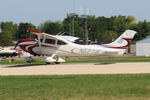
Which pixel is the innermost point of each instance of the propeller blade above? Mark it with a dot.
(16, 45)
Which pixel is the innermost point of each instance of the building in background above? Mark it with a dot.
(131, 49)
(143, 47)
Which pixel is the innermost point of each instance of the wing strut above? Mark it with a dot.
(38, 33)
(39, 43)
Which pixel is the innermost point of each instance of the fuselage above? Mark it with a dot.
(66, 48)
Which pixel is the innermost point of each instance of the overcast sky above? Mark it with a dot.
(38, 11)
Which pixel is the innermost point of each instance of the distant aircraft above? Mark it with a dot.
(57, 45)
(8, 52)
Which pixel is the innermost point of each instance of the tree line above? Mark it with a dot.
(101, 29)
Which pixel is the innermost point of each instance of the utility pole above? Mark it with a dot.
(86, 35)
(72, 25)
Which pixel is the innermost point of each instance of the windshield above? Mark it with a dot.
(61, 42)
(50, 41)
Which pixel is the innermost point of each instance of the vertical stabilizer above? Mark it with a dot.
(123, 41)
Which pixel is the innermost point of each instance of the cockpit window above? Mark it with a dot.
(61, 42)
(41, 40)
(50, 41)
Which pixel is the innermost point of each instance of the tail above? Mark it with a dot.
(123, 41)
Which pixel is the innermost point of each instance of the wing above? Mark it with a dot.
(56, 37)
(43, 34)
(68, 38)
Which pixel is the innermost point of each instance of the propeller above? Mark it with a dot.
(16, 45)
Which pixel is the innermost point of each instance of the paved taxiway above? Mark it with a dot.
(66, 69)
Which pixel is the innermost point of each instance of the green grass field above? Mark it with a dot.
(76, 87)
(85, 59)
(96, 59)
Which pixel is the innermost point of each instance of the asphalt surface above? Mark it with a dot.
(74, 69)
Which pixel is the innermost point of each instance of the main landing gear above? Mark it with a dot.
(29, 59)
(54, 59)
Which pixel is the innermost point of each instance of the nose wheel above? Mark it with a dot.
(57, 62)
(54, 59)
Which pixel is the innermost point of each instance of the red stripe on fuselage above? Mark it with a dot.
(29, 47)
(24, 47)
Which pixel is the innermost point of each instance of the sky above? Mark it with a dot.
(39, 11)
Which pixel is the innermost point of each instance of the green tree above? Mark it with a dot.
(109, 36)
(8, 32)
(51, 27)
(78, 26)
(100, 27)
(91, 27)
(143, 29)
(22, 31)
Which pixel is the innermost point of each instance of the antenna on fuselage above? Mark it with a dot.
(58, 33)
(39, 43)
(62, 33)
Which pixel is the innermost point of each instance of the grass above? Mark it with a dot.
(86, 59)
(107, 59)
(75, 87)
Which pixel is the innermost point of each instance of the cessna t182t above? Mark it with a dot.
(54, 46)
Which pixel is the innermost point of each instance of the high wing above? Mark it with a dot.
(68, 38)
(56, 37)
(43, 34)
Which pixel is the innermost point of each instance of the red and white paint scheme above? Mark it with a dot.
(52, 45)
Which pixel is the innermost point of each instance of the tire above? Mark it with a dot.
(48, 63)
(57, 62)
(28, 61)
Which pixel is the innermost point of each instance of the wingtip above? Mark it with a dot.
(34, 31)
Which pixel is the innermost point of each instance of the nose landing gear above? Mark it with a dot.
(54, 59)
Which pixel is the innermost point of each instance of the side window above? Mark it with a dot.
(41, 40)
(50, 41)
(61, 42)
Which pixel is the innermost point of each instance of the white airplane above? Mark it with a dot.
(8, 52)
(58, 45)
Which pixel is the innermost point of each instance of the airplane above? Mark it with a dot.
(8, 52)
(54, 46)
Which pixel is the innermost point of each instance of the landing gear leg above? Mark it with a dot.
(29, 59)
(57, 58)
